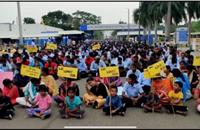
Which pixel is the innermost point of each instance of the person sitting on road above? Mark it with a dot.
(67, 83)
(176, 100)
(133, 94)
(30, 92)
(6, 107)
(41, 107)
(50, 82)
(114, 103)
(96, 95)
(10, 90)
(73, 105)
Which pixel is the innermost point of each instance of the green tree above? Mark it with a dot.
(29, 20)
(193, 11)
(98, 35)
(82, 17)
(58, 19)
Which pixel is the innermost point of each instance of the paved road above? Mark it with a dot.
(134, 117)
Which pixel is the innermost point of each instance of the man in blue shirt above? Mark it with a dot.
(133, 94)
(96, 64)
(117, 107)
(82, 68)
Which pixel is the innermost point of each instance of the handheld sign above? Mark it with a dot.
(196, 61)
(51, 46)
(112, 71)
(146, 74)
(31, 49)
(68, 72)
(96, 47)
(155, 69)
(29, 71)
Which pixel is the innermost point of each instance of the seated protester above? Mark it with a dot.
(10, 90)
(173, 61)
(183, 67)
(162, 87)
(196, 91)
(82, 69)
(152, 103)
(72, 106)
(89, 59)
(116, 103)
(176, 100)
(6, 107)
(169, 74)
(20, 81)
(96, 95)
(30, 92)
(67, 83)
(127, 62)
(145, 83)
(52, 67)
(136, 61)
(41, 107)
(122, 70)
(183, 78)
(38, 63)
(96, 64)
(50, 82)
(133, 92)
(133, 70)
(4, 65)
(193, 78)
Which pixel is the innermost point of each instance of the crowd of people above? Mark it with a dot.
(169, 91)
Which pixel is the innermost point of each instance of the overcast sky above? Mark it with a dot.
(111, 12)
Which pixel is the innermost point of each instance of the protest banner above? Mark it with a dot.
(68, 72)
(112, 71)
(146, 74)
(196, 61)
(51, 46)
(31, 49)
(155, 69)
(5, 75)
(29, 71)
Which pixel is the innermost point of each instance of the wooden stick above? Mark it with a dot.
(173, 110)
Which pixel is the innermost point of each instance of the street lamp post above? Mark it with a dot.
(19, 24)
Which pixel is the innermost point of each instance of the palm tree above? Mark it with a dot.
(142, 17)
(193, 11)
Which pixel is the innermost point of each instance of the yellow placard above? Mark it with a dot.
(29, 71)
(96, 47)
(196, 61)
(112, 71)
(68, 72)
(146, 74)
(31, 49)
(155, 69)
(51, 46)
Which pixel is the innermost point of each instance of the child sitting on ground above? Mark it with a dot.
(176, 100)
(116, 106)
(41, 107)
(6, 107)
(152, 102)
(73, 105)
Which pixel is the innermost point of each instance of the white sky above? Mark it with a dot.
(110, 12)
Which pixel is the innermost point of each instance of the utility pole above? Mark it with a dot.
(139, 22)
(128, 23)
(19, 24)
